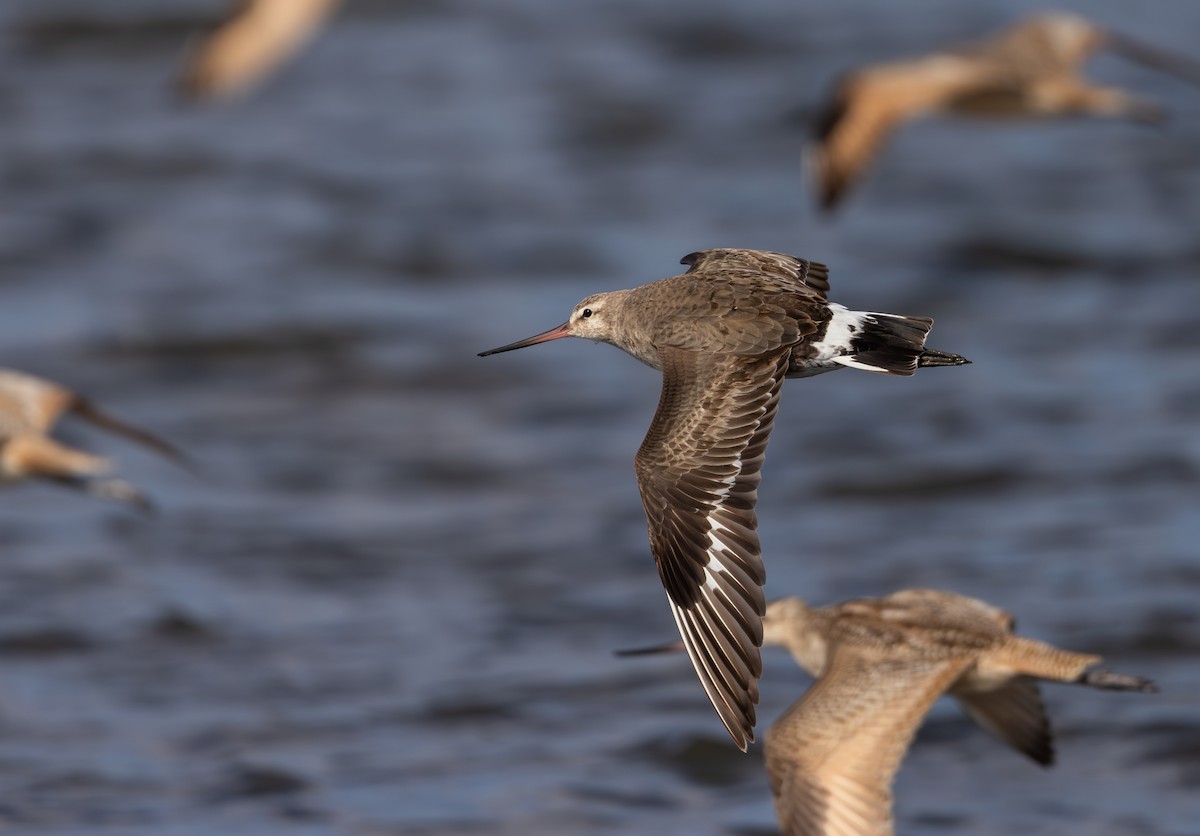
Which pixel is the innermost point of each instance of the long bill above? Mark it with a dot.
(1180, 66)
(669, 647)
(553, 334)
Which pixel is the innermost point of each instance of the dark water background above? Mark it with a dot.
(389, 607)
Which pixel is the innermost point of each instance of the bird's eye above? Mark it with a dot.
(585, 313)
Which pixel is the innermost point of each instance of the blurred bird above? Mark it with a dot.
(1030, 69)
(725, 335)
(29, 408)
(880, 665)
(255, 37)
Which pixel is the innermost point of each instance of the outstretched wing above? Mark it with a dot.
(698, 473)
(868, 105)
(31, 405)
(832, 756)
(811, 274)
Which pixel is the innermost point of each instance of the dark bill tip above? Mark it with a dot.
(1182, 67)
(669, 647)
(553, 334)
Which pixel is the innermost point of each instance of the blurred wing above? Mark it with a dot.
(36, 455)
(811, 274)
(1014, 713)
(833, 755)
(856, 123)
(868, 105)
(29, 404)
(698, 473)
(253, 39)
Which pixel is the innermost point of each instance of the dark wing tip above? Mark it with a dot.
(831, 188)
(833, 111)
(1039, 746)
(189, 87)
(728, 673)
(1043, 756)
(829, 200)
(195, 84)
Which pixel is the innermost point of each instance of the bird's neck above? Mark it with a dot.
(632, 326)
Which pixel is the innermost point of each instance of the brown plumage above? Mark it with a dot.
(254, 38)
(880, 665)
(1030, 69)
(725, 336)
(29, 409)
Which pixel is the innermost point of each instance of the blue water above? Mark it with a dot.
(388, 604)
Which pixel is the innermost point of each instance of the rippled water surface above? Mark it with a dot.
(387, 606)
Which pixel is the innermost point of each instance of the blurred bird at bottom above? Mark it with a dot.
(880, 664)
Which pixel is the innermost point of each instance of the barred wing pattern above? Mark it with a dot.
(698, 472)
(832, 756)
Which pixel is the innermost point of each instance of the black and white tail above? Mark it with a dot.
(879, 342)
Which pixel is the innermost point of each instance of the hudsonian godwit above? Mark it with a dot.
(725, 335)
(880, 665)
(1030, 69)
(29, 408)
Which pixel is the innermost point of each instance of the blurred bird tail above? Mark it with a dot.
(119, 490)
(1109, 681)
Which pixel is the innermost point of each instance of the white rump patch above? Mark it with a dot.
(843, 326)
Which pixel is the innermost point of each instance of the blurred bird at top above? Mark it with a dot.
(253, 39)
(1030, 69)
(29, 408)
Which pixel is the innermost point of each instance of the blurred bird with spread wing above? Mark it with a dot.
(880, 665)
(1031, 69)
(29, 408)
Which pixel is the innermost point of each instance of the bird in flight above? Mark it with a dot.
(29, 409)
(1031, 69)
(880, 665)
(725, 335)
